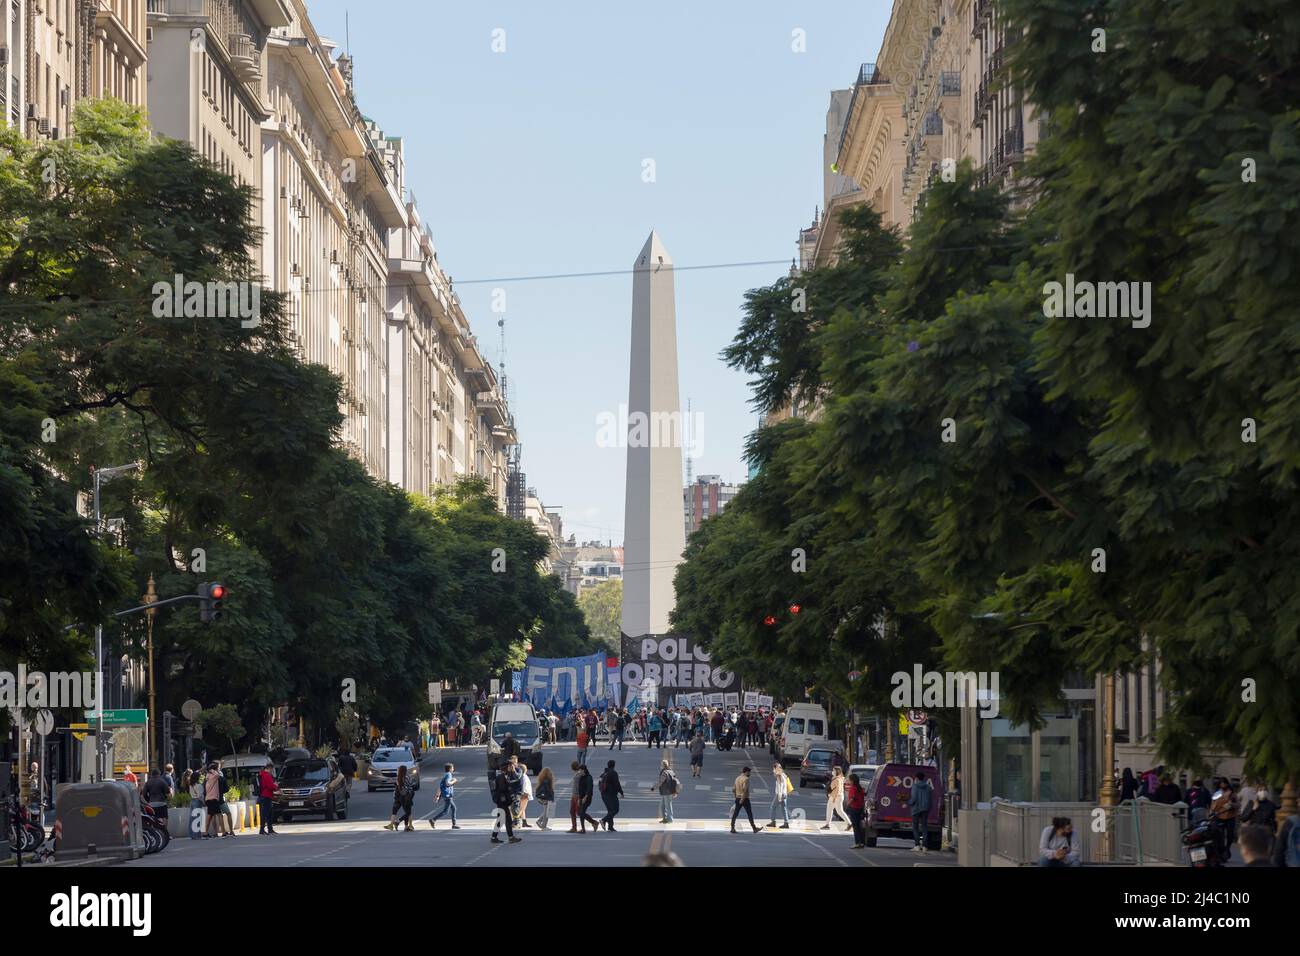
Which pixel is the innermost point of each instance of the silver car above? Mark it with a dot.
(383, 768)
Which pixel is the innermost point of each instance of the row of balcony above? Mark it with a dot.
(1008, 151)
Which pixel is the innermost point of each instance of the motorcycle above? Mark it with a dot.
(1207, 844)
(153, 828)
(25, 834)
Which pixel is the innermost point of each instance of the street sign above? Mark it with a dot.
(494, 687)
(191, 709)
(44, 722)
(134, 716)
(435, 692)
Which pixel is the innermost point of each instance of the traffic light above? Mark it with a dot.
(795, 608)
(770, 621)
(211, 600)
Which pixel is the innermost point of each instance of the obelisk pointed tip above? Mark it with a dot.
(653, 253)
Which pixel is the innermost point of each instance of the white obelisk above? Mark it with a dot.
(654, 535)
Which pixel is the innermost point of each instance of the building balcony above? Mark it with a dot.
(983, 12)
(245, 58)
(870, 75)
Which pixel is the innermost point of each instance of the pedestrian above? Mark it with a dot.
(835, 799)
(1286, 848)
(668, 785)
(620, 725)
(460, 728)
(582, 744)
(476, 727)
(525, 795)
(1058, 844)
(157, 792)
(781, 788)
(656, 727)
(169, 774)
(267, 788)
(857, 805)
(1198, 800)
(504, 800)
(740, 790)
(347, 767)
(545, 796)
(919, 802)
(509, 746)
(611, 788)
(403, 798)
(447, 793)
(435, 728)
(212, 800)
(129, 777)
(192, 781)
(1128, 785)
(227, 817)
(1255, 843)
(697, 753)
(753, 729)
(580, 802)
(591, 725)
(1223, 807)
(1168, 792)
(1261, 811)
(551, 722)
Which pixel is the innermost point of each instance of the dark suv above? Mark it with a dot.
(309, 786)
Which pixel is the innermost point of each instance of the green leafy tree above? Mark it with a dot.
(602, 607)
(222, 720)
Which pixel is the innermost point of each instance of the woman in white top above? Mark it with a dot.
(835, 799)
(525, 797)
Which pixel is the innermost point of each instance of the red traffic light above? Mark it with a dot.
(769, 620)
(795, 609)
(217, 592)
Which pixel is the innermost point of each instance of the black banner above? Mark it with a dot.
(671, 664)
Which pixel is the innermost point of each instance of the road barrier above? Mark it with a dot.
(1135, 833)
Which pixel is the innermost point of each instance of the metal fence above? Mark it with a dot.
(1140, 832)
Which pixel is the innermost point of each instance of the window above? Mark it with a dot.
(815, 727)
(795, 724)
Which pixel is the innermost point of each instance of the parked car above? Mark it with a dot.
(311, 786)
(819, 762)
(886, 804)
(520, 721)
(384, 763)
(866, 773)
(777, 723)
(242, 769)
(805, 725)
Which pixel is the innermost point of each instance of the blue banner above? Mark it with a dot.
(570, 680)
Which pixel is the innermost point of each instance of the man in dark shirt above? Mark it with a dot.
(347, 767)
(157, 793)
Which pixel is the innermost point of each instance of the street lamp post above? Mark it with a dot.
(100, 475)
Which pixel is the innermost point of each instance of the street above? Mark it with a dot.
(699, 833)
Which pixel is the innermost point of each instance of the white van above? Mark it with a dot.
(805, 725)
(520, 721)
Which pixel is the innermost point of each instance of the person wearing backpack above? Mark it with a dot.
(611, 788)
(447, 791)
(504, 800)
(668, 786)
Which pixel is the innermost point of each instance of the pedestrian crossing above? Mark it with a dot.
(480, 824)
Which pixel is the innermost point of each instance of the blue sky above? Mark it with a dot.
(529, 162)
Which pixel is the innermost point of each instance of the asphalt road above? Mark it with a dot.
(699, 834)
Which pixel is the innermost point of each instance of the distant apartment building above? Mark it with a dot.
(590, 564)
(551, 527)
(55, 52)
(257, 91)
(705, 497)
